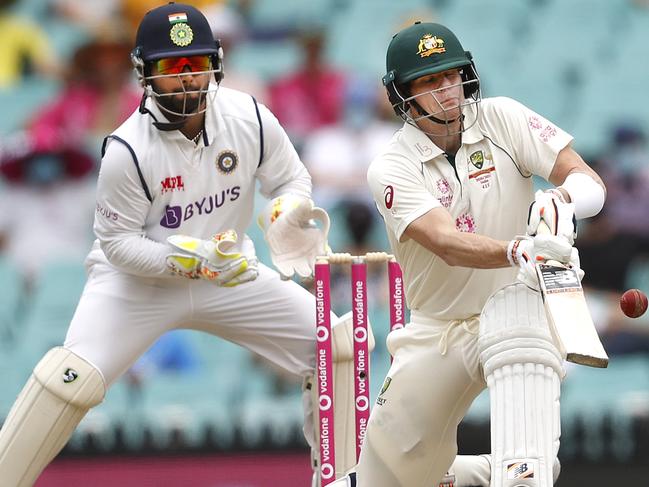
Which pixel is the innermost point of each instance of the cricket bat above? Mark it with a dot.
(568, 316)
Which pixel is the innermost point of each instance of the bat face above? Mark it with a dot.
(568, 315)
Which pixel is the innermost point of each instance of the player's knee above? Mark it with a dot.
(70, 378)
(514, 330)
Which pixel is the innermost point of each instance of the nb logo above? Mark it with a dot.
(70, 375)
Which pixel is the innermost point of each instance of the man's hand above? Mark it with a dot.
(293, 237)
(525, 252)
(551, 208)
(212, 259)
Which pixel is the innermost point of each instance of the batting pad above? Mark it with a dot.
(62, 388)
(343, 393)
(523, 370)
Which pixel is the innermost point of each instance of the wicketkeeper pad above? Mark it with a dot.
(523, 370)
(60, 391)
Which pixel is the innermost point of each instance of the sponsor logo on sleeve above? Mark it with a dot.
(388, 194)
(106, 213)
(542, 128)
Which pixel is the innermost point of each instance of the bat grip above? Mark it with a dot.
(544, 229)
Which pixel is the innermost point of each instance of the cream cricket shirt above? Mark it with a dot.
(488, 192)
(179, 187)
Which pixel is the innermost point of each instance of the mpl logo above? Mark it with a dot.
(172, 183)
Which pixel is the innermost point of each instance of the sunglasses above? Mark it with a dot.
(176, 65)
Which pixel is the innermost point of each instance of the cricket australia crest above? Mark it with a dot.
(430, 44)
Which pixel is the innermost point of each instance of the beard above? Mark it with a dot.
(181, 103)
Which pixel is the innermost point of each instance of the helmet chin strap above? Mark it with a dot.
(431, 117)
(164, 126)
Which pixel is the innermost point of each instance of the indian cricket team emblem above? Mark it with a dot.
(227, 161)
(430, 44)
(381, 400)
(181, 34)
(477, 159)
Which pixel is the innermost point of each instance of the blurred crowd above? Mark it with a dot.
(338, 120)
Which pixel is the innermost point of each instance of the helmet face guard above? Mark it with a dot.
(176, 31)
(165, 101)
(424, 49)
(402, 103)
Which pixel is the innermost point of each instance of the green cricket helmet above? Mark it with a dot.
(423, 49)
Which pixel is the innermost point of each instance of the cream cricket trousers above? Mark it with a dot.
(411, 437)
(120, 316)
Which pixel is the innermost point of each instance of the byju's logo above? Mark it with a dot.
(175, 215)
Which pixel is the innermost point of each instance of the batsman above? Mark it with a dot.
(454, 187)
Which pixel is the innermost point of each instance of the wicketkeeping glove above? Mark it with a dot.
(294, 238)
(550, 207)
(214, 260)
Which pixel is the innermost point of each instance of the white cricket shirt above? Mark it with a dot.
(488, 192)
(194, 189)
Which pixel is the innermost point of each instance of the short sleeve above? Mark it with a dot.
(535, 141)
(399, 191)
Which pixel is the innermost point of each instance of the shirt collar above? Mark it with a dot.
(214, 123)
(473, 134)
(419, 143)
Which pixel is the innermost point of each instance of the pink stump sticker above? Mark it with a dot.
(397, 304)
(361, 351)
(324, 379)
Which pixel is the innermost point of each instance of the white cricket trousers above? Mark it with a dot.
(119, 316)
(411, 437)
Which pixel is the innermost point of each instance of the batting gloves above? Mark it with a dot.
(215, 260)
(525, 252)
(551, 208)
(293, 236)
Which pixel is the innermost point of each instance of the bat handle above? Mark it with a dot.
(544, 229)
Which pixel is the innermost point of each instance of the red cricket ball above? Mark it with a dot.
(633, 303)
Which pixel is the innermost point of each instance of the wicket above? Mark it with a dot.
(361, 351)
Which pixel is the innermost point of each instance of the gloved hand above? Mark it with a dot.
(525, 252)
(213, 259)
(550, 207)
(294, 238)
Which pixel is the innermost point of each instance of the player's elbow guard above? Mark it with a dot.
(586, 194)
